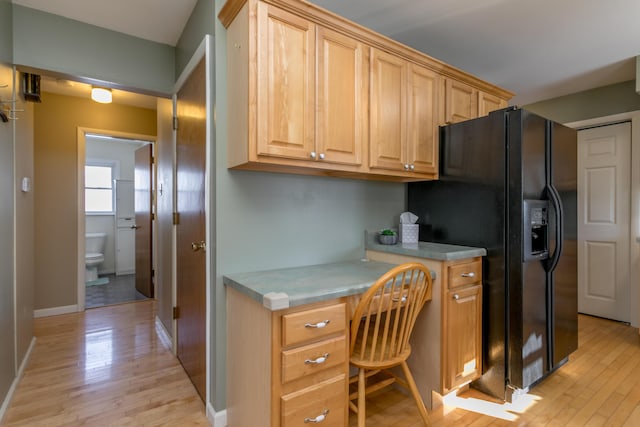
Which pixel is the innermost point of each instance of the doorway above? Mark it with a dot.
(115, 207)
(604, 228)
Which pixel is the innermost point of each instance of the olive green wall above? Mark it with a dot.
(57, 120)
(598, 102)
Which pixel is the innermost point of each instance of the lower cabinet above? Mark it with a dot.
(287, 367)
(462, 332)
(446, 343)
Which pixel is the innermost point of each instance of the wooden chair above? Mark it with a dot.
(380, 329)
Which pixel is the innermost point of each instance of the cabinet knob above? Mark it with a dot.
(472, 274)
(317, 419)
(456, 297)
(313, 154)
(406, 167)
(412, 167)
(321, 156)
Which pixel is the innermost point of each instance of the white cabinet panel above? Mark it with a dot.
(125, 251)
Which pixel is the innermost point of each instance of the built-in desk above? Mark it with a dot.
(287, 338)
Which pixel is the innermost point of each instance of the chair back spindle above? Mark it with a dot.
(385, 316)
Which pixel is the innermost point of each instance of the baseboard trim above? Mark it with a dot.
(216, 419)
(163, 334)
(14, 384)
(54, 311)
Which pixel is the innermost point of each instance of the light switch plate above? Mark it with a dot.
(25, 185)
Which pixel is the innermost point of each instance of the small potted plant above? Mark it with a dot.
(388, 237)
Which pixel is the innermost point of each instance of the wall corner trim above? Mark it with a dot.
(216, 419)
(54, 311)
(163, 334)
(14, 384)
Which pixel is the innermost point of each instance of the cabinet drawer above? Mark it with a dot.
(465, 274)
(312, 324)
(327, 397)
(298, 362)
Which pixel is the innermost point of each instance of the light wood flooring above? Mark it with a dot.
(599, 386)
(103, 367)
(107, 366)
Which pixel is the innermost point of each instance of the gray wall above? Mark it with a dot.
(25, 239)
(7, 344)
(50, 42)
(266, 221)
(201, 22)
(6, 32)
(599, 102)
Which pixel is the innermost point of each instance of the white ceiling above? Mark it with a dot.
(539, 49)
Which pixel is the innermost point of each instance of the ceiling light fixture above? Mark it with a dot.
(101, 95)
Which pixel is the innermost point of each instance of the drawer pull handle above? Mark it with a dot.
(318, 325)
(472, 274)
(320, 418)
(403, 299)
(317, 361)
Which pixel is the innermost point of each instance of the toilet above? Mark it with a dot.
(94, 254)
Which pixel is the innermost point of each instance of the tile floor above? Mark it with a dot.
(119, 289)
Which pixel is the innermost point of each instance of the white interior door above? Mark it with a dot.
(604, 180)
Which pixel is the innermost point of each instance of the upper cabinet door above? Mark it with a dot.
(488, 103)
(461, 102)
(286, 84)
(342, 98)
(423, 120)
(387, 125)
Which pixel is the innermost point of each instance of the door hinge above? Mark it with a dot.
(176, 313)
(176, 218)
(175, 123)
(153, 273)
(153, 216)
(153, 160)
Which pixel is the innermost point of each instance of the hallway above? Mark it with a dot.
(106, 366)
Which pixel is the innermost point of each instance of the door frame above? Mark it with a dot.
(634, 244)
(81, 151)
(204, 51)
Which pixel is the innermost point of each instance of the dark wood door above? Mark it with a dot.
(190, 239)
(143, 207)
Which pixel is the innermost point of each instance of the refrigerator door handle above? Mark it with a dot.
(554, 197)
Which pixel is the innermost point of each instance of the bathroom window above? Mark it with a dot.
(98, 189)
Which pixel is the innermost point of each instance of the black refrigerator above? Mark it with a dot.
(508, 183)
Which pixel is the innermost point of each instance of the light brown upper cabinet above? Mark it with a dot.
(310, 92)
(286, 84)
(464, 102)
(488, 103)
(342, 98)
(461, 101)
(403, 127)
